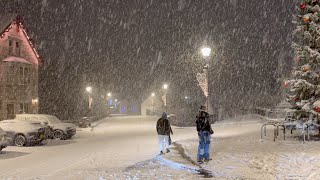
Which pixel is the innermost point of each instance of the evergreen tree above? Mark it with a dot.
(304, 87)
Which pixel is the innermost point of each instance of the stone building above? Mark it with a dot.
(19, 63)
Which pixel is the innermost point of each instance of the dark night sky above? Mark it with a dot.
(133, 46)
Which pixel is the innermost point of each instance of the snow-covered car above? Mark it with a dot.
(44, 122)
(60, 130)
(21, 133)
(3, 139)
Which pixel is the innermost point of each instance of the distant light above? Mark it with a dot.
(35, 101)
(186, 97)
(165, 86)
(206, 51)
(116, 100)
(89, 89)
(153, 94)
(109, 94)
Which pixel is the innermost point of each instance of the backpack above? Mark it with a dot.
(163, 126)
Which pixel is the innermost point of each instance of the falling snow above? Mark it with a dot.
(113, 57)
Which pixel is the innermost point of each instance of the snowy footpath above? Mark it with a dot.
(126, 148)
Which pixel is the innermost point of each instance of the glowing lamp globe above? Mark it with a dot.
(206, 51)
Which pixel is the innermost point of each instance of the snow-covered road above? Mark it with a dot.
(122, 147)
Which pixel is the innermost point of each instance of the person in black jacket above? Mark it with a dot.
(204, 133)
(164, 130)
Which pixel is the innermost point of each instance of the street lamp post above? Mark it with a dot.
(152, 102)
(203, 77)
(89, 91)
(165, 87)
(108, 99)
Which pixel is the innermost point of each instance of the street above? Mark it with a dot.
(121, 147)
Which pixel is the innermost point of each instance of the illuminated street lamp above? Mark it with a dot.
(165, 86)
(109, 94)
(89, 89)
(206, 51)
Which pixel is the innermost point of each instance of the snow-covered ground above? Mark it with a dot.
(126, 148)
(239, 153)
(116, 148)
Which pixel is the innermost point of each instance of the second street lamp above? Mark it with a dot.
(152, 102)
(89, 91)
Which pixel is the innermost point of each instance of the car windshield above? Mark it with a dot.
(54, 119)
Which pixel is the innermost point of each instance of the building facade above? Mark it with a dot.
(152, 106)
(18, 69)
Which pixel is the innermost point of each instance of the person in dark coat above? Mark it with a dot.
(164, 130)
(204, 133)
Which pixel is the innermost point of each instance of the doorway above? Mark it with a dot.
(10, 111)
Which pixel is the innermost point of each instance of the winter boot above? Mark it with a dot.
(200, 161)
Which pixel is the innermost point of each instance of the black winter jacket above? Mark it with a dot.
(163, 127)
(203, 122)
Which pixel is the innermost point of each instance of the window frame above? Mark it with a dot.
(10, 74)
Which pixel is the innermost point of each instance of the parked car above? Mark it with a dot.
(21, 133)
(44, 122)
(3, 139)
(60, 130)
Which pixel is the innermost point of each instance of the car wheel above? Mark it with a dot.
(50, 135)
(20, 140)
(58, 134)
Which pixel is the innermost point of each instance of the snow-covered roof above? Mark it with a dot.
(34, 115)
(18, 121)
(5, 22)
(50, 118)
(16, 59)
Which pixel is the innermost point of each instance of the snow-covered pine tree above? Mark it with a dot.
(304, 87)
